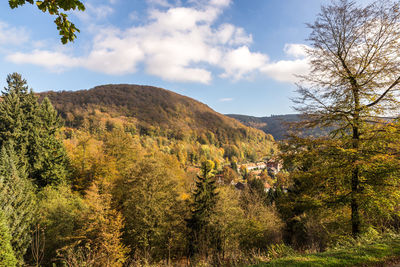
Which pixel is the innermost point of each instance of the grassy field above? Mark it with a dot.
(378, 253)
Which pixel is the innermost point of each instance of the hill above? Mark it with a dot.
(155, 111)
(276, 125)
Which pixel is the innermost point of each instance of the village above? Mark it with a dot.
(268, 171)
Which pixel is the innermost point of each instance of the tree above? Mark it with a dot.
(102, 229)
(62, 216)
(51, 152)
(17, 202)
(202, 236)
(64, 26)
(355, 76)
(152, 208)
(7, 257)
(33, 129)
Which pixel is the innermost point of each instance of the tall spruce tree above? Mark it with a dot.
(7, 257)
(17, 201)
(53, 157)
(201, 232)
(33, 129)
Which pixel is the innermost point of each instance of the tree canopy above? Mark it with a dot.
(354, 81)
(66, 28)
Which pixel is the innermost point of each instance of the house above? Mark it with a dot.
(267, 187)
(274, 164)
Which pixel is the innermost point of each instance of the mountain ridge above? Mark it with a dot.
(154, 108)
(276, 125)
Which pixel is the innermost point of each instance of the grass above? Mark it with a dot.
(365, 254)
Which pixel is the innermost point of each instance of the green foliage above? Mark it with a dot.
(202, 234)
(179, 124)
(228, 220)
(7, 257)
(62, 216)
(154, 228)
(101, 231)
(379, 252)
(64, 26)
(33, 129)
(50, 166)
(316, 208)
(17, 202)
(262, 225)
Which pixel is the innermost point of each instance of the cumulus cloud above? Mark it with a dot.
(182, 43)
(296, 50)
(12, 35)
(95, 12)
(162, 3)
(239, 62)
(57, 61)
(287, 70)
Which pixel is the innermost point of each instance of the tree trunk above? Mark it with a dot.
(355, 213)
(355, 180)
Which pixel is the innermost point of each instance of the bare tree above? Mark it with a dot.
(38, 244)
(355, 75)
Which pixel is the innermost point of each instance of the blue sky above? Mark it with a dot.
(237, 56)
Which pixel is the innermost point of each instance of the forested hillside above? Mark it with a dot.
(277, 125)
(156, 111)
(118, 186)
(280, 126)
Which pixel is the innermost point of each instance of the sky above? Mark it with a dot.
(237, 56)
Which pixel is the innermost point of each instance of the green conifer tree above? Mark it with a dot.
(7, 257)
(33, 129)
(52, 155)
(17, 201)
(201, 233)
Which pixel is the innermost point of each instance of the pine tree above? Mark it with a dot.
(17, 201)
(33, 129)
(7, 257)
(203, 207)
(52, 155)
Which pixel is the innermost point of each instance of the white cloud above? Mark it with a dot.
(55, 61)
(239, 62)
(95, 12)
(222, 3)
(162, 3)
(286, 70)
(177, 43)
(12, 35)
(228, 99)
(296, 50)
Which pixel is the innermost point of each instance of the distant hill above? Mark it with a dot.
(155, 110)
(276, 125)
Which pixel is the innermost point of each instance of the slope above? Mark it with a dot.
(156, 111)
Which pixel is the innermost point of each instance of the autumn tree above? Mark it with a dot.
(354, 79)
(149, 196)
(62, 215)
(102, 229)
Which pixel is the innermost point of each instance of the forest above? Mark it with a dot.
(129, 175)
